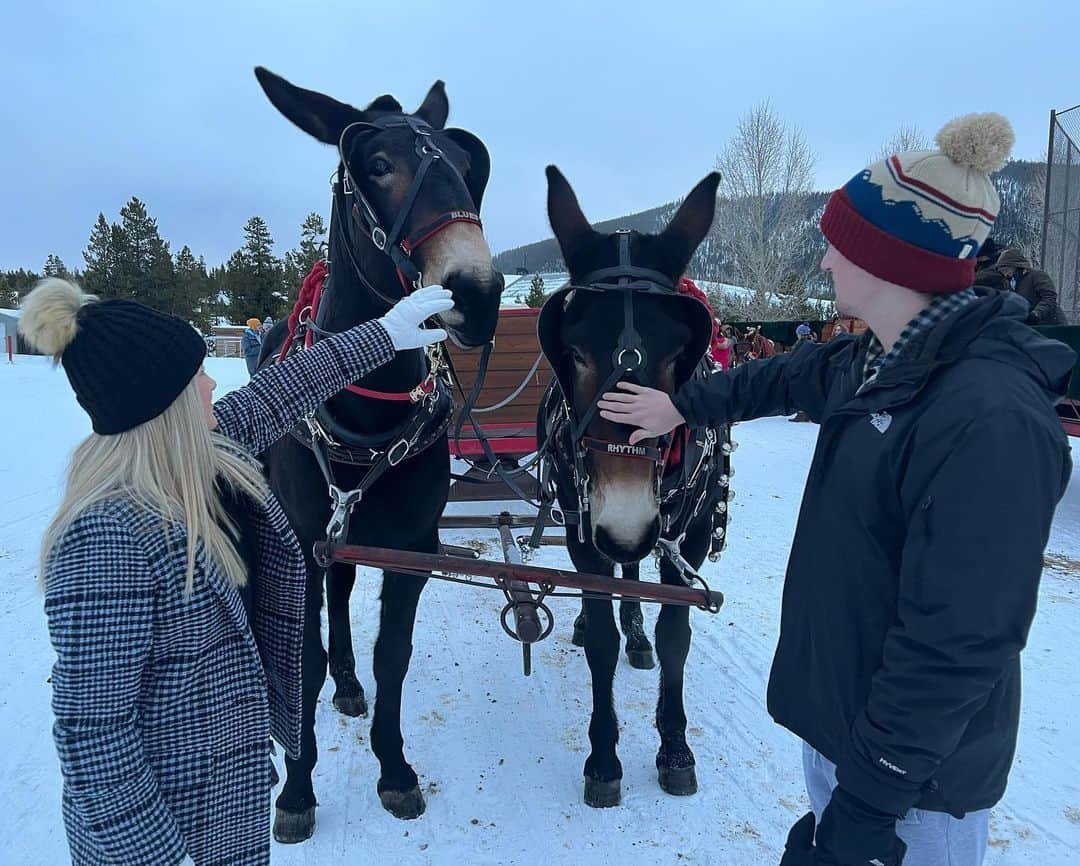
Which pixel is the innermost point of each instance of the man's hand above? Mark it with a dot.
(651, 411)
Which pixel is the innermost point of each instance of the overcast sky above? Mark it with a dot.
(102, 101)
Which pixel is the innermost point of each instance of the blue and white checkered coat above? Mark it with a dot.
(164, 704)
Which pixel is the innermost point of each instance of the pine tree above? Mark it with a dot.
(299, 262)
(100, 257)
(9, 298)
(535, 297)
(54, 267)
(19, 284)
(193, 293)
(255, 281)
(139, 251)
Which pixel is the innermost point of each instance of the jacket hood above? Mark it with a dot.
(993, 327)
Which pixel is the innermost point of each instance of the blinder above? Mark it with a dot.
(630, 352)
(476, 178)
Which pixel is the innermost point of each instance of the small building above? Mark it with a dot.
(9, 321)
(224, 340)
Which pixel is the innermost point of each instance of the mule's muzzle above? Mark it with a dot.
(617, 547)
(475, 314)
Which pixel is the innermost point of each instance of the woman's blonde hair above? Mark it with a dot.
(173, 466)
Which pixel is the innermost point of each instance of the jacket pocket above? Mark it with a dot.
(184, 780)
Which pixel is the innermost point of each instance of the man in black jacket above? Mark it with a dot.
(1033, 285)
(914, 571)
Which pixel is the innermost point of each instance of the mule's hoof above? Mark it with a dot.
(579, 632)
(602, 795)
(677, 781)
(643, 660)
(405, 805)
(354, 706)
(293, 827)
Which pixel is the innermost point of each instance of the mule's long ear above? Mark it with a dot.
(693, 220)
(315, 113)
(436, 107)
(567, 221)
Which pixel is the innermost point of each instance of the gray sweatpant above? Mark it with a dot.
(933, 838)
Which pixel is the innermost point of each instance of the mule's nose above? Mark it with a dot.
(476, 300)
(622, 550)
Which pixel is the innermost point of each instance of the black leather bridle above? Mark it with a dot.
(350, 201)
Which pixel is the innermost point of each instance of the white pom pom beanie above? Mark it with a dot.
(918, 219)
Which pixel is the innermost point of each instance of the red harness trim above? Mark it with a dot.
(305, 310)
(408, 245)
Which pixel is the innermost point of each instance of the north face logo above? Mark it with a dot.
(881, 421)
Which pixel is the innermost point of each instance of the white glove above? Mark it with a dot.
(403, 321)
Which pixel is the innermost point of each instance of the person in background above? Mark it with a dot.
(939, 462)
(1034, 286)
(267, 326)
(840, 328)
(251, 344)
(725, 345)
(803, 334)
(174, 587)
(987, 255)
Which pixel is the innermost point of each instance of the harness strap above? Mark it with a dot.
(302, 321)
(582, 425)
(621, 449)
(433, 228)
(467, 413)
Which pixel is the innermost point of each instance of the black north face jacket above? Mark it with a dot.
(914, 572)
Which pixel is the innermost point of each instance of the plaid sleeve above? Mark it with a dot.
(99, 600)
(278, 396)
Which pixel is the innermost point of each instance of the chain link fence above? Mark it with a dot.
(1060, 252)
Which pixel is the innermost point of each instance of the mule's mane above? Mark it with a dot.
(384, 103)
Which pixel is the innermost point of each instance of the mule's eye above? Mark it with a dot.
(379, 167)
(578, 357)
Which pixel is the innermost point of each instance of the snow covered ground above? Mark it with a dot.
(500, 756)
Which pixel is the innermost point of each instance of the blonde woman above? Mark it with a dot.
(174, 588)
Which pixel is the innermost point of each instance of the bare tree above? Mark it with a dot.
(762, 223)
(905, 139)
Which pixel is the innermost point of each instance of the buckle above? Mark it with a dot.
(343, 504)
(404, 445)
(422, 390)
(378, 237)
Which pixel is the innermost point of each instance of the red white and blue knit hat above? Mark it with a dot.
(918, 219)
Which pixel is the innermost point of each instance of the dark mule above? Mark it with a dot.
(423, 185)
(620, 318)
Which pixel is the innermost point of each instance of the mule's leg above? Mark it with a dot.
(399, 788)
(579, 628)
(348, 694)
(294, 820)
(603, 772)
(639, 651)
(675, 760)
